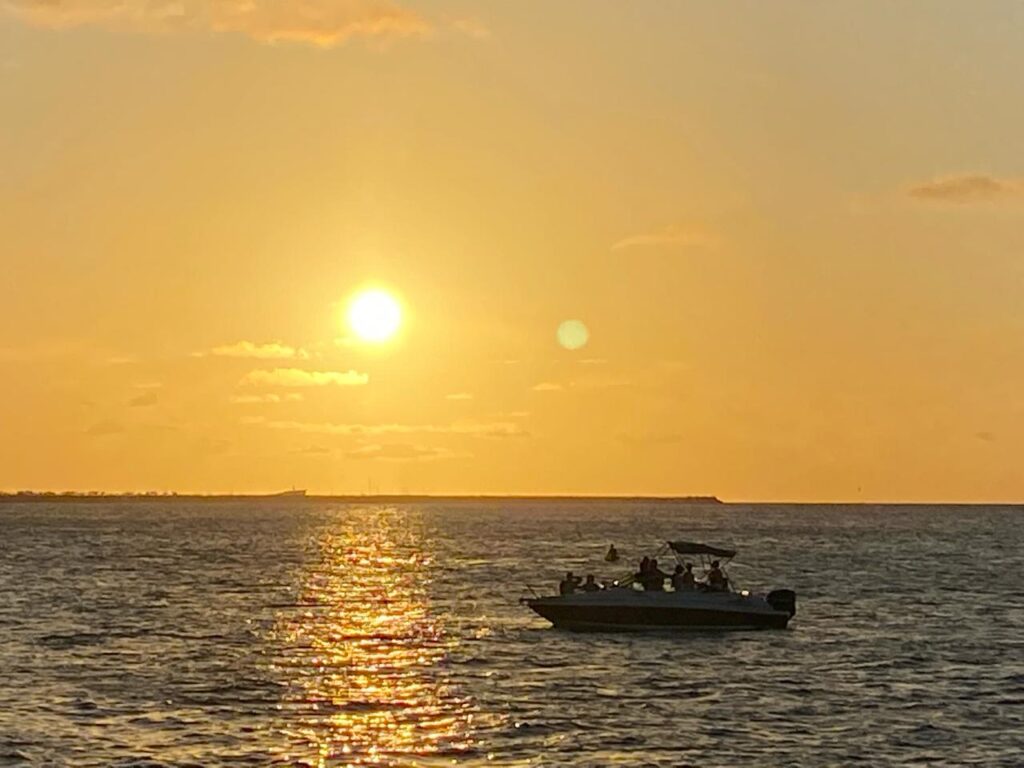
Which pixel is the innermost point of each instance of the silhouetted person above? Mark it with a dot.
(654, 579)
(613, 554)
(568, 585)
(683, 580)
(641, 574)
(716, 579)
(677, 578)
(590, 585)
(689, 580)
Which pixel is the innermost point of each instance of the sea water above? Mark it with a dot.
(318, 633)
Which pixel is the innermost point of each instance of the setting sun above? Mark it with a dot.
(374, 316)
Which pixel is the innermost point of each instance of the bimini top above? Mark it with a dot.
(693, 548)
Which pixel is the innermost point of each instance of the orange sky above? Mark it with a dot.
(793, 231)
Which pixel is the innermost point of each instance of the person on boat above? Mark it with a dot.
(689, 580)
(683, 579)
(590, 585)
(717, 581)
(613, 554)
(654, 579)
(677, 578)
(638, 577)
(568, 585)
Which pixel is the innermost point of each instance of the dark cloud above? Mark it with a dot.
(105, 427)
(144, 400)
(967, 188)
(672, 236)
(399, 452)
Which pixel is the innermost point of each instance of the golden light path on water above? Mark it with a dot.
(361, 658)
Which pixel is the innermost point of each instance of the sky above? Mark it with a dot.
(793, 232)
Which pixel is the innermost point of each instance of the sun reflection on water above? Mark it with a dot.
(361, 658)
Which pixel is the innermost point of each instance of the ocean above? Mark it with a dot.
(317, 633)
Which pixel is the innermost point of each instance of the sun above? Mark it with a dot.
(374, 316)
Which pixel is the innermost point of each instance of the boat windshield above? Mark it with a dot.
(694, 548)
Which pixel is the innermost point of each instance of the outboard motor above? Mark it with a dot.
(782, 600)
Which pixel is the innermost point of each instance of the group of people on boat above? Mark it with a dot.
(571, 583)
(651, 578)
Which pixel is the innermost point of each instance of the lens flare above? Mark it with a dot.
(573, 334)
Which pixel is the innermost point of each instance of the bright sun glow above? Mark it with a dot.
(374, 316)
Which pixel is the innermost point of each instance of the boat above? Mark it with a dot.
(294, 493)
(624, 607)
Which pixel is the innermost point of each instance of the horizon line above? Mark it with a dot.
(28, 496)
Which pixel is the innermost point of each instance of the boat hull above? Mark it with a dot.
(639, 612)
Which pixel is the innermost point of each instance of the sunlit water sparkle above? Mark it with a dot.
(312, 633)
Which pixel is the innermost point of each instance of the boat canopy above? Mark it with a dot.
(693, 548)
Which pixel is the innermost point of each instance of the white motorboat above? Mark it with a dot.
(625, 607)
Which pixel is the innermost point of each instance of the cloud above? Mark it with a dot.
(601, 382)
(322, 23)
(270, 397)
(472, 27)
(517, 414)
(647, 438)
(671, 236)
(485, 429)
(988, 437)
(214, 446)
(271, 351)
(311, 450)
(593, 361)
(144, 400)
(590, 382)
(105, 427)
(296, 377)
(459, 396)
(400, 452)
(473, 428)
(968, 188)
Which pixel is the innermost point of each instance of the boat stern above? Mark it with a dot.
(782, 600)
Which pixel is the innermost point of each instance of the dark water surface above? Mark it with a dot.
(313, 633)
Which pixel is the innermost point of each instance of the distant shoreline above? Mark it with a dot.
(397, 498)
(420, 498)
